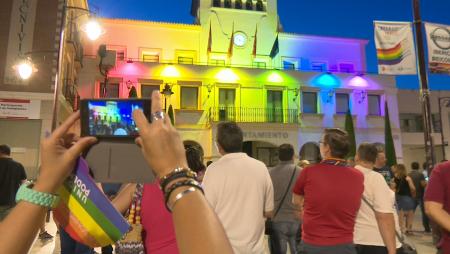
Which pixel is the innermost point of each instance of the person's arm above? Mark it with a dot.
(436, 212)
(123, 200)
(411, 186)
(19, 228)
(198, 229)
(297, 200)
(269, 203)
(386, 225)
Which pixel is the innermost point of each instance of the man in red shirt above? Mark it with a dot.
(437, 202)
(329, 195)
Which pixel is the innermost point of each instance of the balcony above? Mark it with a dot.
(254, 115)
(71, 94)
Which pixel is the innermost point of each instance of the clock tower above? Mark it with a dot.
(229, 28)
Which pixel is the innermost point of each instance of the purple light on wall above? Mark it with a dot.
(358, 81)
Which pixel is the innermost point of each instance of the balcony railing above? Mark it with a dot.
(71, 94)
(254, 115)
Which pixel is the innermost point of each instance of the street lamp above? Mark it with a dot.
(440, 101)
(167, 92)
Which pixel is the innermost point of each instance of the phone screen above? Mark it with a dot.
(113, 118)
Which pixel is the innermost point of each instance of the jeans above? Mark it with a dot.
(425, 220)
(284, 233)
(336, 249)
(70, 246)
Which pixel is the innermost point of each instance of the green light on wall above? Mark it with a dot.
(227, 76)
(275, 78)
(170, 71)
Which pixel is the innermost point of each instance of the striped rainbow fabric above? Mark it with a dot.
(85, 212)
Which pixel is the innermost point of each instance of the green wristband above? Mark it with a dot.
(25, 193)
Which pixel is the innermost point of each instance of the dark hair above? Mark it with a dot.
(230, 137)
(285, 152)
(4, 149)
(194, 159)
(367, 152)
(338, 141)
(415, 165)
(209, 163)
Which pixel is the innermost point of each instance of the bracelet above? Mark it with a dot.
(190, 182)
(180, 196)
(177, 173)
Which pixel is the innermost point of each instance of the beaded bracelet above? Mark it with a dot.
(190, 182)
(184, 173)
(180, 196)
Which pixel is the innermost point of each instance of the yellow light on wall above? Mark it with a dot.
(275, 78)
(170, 71)
(227, 76)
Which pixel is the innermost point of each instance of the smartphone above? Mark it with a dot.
(111, 118)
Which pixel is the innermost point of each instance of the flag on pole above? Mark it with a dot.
(438, 40)
(230, 47)
(395, 48)
(275, 48)
(391, 157)
(255, 42)
(210, 39)
(85, 213)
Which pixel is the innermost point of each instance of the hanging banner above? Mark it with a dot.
(438, 40)
(395, 48)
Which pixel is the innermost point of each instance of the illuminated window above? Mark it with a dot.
(150, 58)
(189, 97)
(217, 62)
(258, 64)
(288, 65)
(347, 67)
(309, 102)
(185, 60)
(274, 106)
(373, 105)
(147, 90)
(227, 110)
(342, 103)
(319, 66)
(112, 90)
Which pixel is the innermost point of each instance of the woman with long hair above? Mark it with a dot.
(405, 193)
(195, 161)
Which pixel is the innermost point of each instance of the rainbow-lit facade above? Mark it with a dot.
(237, 64)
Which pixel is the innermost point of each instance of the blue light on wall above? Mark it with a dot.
(326, 80)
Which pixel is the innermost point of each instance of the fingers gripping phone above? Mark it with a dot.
(115, 158)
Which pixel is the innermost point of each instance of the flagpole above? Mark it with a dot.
(424, 89)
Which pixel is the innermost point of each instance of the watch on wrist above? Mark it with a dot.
(26, 193)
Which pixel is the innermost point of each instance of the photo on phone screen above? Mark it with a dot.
(111, 118)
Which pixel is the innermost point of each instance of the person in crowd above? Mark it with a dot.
(195, 161)
(197, 227)
(437, 202)
(420, 183)
(406, 192)
(329, 195)
(12, 175)
(380, 165)
(239, 190)
(286, 221)
(375, 224)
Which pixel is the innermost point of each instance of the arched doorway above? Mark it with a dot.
(311, 152)
(262, 151)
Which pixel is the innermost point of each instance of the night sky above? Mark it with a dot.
(344, 18)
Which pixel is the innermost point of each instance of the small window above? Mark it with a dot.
(185, 60)
(436, 122)
(112, 90)
(216, 3)
(342, 103)
(346, 67)
(238, 4)
(374, 105)
(259, 5)
(150, 58)
(249, 5)
(319, 66)
(309, 102)
(261, 65)
(288, 65)
(189, 97)
(227, 3)
(217, 62)
(120, 55)
(147, 90)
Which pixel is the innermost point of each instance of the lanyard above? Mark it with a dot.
(335, 162)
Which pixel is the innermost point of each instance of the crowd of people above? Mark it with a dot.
(336, 206)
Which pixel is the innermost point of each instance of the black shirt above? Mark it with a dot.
(402, 187)
(386, 172)
(417, 178)
(12, 174)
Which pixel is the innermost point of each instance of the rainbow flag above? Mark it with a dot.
(85, 213)
(391, 56)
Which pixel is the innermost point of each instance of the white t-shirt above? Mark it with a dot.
(378, 194)
(239, 189)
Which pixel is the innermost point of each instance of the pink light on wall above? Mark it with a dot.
(358, 81)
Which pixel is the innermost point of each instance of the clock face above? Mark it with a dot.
(240, 39)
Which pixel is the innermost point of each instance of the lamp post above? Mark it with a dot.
(440, 101)
(167, 92)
